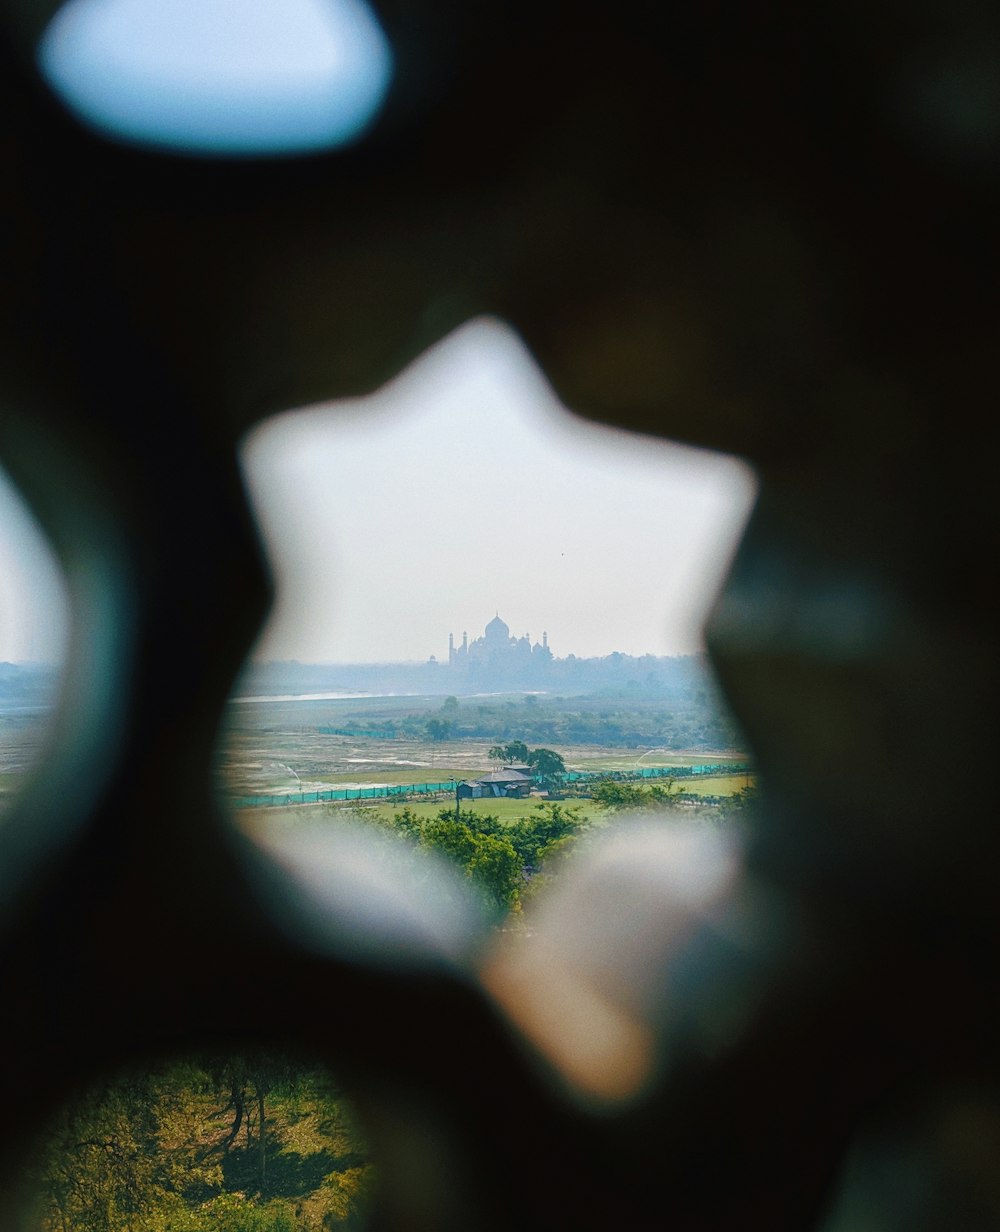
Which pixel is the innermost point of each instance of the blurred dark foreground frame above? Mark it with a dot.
(758, 229)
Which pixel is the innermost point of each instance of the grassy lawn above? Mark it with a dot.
(721, 785)
(377, 772)
(505, 810)
(595, 758)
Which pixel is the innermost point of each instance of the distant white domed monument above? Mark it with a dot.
(497, 629)
(497, 653)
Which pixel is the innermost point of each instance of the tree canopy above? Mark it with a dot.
(620, 797)
(438, 729)
(546, 763)
(509, 753)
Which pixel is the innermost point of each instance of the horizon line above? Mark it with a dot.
(646, 654)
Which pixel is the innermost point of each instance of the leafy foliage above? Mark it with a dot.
(546, 762)
(497, 858)
(438, 729)
(620, 797)
(489, 861)
(533, 837)
(739, 806)
(157, 1152)
(509, 753)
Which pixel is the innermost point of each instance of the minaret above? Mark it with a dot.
(451, 648)
(545, 640)
(465, 642)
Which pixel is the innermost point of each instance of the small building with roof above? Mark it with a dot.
(506, 784)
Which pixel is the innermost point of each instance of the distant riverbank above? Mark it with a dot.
(310, 697)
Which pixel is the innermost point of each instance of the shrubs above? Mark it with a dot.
(496, 858)
(154, 1151)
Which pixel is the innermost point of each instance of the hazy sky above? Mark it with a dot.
(464, 489)
(33, 607)
(461, 490)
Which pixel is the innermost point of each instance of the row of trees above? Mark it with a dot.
(646, 674)
(694, 717)
(615, 796)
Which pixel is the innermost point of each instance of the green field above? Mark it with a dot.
(270, 759)
(506, 810)
(712, 785)
(393, 776)
(277, 748)
(280, 747)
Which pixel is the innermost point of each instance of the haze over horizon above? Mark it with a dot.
(34, 611)
(463, 489)
(460, 490)
(472, 634)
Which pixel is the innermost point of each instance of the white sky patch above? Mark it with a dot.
(34, 608)
(463, 489)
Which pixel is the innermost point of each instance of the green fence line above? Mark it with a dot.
(340, 794)
(655, 772)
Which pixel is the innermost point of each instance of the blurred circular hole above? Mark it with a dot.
(34, 620)
(460, 490)
(220, 77)
(250, 1142)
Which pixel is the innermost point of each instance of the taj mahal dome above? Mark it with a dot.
(497, 651)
